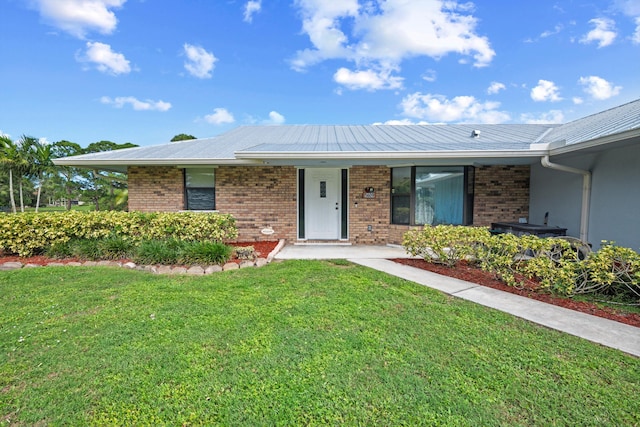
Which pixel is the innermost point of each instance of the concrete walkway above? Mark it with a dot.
(596, 329)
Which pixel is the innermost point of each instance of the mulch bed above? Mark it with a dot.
(472, 274)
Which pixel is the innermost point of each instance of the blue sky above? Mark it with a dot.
(142, 71)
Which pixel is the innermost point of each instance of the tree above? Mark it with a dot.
(68, 174)
(13, 158)
(7, 148)
(98, 184)
(182, 137)
(43, 165)
(25, 165)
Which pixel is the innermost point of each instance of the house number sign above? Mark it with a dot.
(369, 193)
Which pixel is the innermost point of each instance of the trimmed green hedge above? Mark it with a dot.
(26, 234)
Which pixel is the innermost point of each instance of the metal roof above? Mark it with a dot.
(614, 121)
(255, 144)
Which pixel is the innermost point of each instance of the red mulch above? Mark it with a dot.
(263, 249)
(470, 273)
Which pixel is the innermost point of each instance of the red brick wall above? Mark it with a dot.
(374, 212)
(156, 189)
(259, 197)
(501, 194)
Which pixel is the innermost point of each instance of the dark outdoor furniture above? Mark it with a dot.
(521, 229)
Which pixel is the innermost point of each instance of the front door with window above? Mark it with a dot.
(322, 204)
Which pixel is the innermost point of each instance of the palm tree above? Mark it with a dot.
(43, 165)
(24, 162)
(9, 160)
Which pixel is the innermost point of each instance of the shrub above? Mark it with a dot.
(613, 270)
(114, 247)
(158, 252)
(59, 250)
(205, 253)
(562, 266)
(445, 244)
(28, 233)
(86, 249)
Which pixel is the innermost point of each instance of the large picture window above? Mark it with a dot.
(200, 189)
(432, 195)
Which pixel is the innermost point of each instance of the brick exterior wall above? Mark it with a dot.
(156, 189)
(501, 194)
(374, 212)
(259, 197)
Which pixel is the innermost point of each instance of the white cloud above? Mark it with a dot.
(367, 79)
(275, 118)
(631, 8)
(430, 76)
(105, 59)
(403, 122)
(437, 108)
(604, 32)
(200, 63)
(636, 35)
(598, 87)
(556, 30)
(78, 17)
(545, 91)
(136, 104)
(250, 8)
(577, 100)
(495, 87)
(220, 116)
(5, 135)
(380, 35)
(553, 116)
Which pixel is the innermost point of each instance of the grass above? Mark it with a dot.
(298, 342)
(86, 207)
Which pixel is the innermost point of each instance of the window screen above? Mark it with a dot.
(200, 189)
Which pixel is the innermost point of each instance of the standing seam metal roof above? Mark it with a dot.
(493, 139)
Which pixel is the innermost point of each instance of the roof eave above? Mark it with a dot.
(385, 155)
(596, 143)
(69, 161)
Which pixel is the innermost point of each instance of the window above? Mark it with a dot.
(431, 195)
(200, 189)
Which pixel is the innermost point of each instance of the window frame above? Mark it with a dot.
(187, 206)
(467, 194)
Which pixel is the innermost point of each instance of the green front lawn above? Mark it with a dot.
(298, 342)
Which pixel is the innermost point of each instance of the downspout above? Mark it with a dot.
(586, 192)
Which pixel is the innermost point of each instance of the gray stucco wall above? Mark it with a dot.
(615, 195)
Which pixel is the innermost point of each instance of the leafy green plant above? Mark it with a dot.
(115, 247)
(562, 266)
(29, 233)
(205, 253)
(445, 244)
(613, 270)
(158, 252)
(86, 249)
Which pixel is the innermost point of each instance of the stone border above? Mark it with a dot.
(195, 270)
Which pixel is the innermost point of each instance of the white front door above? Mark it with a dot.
(322, 204)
